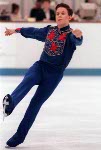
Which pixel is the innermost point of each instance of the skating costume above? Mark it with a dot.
(58, 50)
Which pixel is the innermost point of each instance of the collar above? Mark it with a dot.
(66, 28)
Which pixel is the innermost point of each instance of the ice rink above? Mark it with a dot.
(69, 120)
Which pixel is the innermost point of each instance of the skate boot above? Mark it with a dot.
(8, 106)
(14, 141)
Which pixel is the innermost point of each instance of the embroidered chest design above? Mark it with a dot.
(55, 42)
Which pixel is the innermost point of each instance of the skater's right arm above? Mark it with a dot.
(30, 32)
(34, 33)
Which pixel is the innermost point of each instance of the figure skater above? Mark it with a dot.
(47, 72)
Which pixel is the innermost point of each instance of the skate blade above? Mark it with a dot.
(5, 102)
(4, 114)
(9, 147)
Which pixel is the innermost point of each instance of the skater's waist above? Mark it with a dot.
(56, 67)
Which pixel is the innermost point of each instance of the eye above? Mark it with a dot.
(63, 13)
(57, 14)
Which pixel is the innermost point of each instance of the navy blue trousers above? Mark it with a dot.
(47, 77)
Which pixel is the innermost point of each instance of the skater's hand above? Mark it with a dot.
(9, 32)
(77, 33)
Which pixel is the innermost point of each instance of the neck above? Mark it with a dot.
(61, 26)
(46, 10)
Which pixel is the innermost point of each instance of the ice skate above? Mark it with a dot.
(7, 106)
(14, 141)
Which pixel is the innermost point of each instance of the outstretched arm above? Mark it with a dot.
(76, 37)
(31, 32)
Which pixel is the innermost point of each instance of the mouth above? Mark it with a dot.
(59, 19)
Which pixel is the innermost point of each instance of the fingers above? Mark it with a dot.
(77, 33)
(6, 28)
(8, 32)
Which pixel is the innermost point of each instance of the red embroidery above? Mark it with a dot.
(62, 37)
(51, 35)
(18, 29)
(53, 47)
(55, 42)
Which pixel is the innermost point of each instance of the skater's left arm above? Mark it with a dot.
(77, 37)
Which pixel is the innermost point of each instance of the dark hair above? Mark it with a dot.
(14, 7)
(46, 1)
(39, 1)
(70, 11)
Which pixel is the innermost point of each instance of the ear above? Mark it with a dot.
(70, 18)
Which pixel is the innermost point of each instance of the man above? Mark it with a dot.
(49, 14)
(37, 11)
(60, 44)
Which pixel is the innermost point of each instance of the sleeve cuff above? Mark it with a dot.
(18, 30)
(79, 38)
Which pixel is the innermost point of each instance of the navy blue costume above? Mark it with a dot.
(59, 47)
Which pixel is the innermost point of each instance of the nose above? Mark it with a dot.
(59, 15)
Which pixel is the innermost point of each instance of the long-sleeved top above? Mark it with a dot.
(60, 44)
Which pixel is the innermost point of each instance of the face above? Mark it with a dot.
(16, 11)
(62, 17)
(46, 5)
(38, 4)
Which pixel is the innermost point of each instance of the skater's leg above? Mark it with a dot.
(32, 77)
(43, 92)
